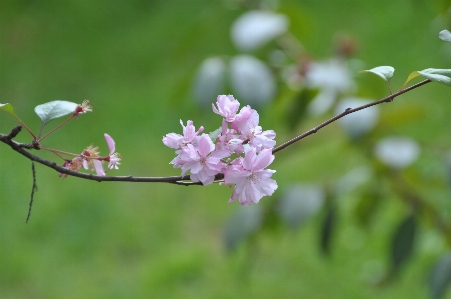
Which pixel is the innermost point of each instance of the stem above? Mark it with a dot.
(58, 127)
(25, 126)
(57, 151)
(390, 98)
(389, 87)
(33, 189)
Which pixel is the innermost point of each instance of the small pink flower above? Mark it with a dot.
(75, 164)
(251, 180)
(113, 158)
(229, 139)
(204, 162)
(90, 160)
(176, 141)
(242, 118)
(252, 133)
(227, 107)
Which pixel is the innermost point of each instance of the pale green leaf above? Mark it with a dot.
(385, 72)
(213, 135)
(442, 76)
(411, 76)
(54, 109)
(440, 276)
(445, 35)
(8, 108)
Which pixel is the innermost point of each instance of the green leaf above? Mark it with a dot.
(213, 135)
(440, 276)
(411, 76)
(327, 229)
(445, 35)
(8, 108)
(385, 72)
(54, 109)
(367, 206)
(242, 225)
(442, 76)
(402, 243)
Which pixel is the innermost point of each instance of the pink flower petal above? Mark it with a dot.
(110, 142)
(98, 167)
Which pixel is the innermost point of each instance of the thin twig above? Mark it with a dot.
(33, 189)
(346, 112)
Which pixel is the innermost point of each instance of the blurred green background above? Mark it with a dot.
(136, 62)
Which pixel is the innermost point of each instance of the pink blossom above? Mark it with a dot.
(176, 141)
(241, 118)
(252, 133)
(204, 162)
(91, 160)
(251, 180)
(229, 139)
(113, 158)
(227, 107)
(75, 164)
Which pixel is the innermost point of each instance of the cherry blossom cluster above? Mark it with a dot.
(239, 149)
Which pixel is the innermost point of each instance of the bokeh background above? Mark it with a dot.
(372, 229)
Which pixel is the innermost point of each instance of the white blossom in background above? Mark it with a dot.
(331, 77)
(358, 123)
(255, 28)
(210, 79)
(397, 152)
(252, 80)
(353, 179)
(299, 202)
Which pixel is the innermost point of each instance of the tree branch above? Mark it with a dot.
(388, 99)
(178, 180)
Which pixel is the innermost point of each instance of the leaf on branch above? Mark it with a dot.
(411, 76)
(442, 76)
(445, 35)
(440, 276)
(385, 72)
(403, 243)
(8, 108)
(328, 228)
(54, 109)
(213, 135)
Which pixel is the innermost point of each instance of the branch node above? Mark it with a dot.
(14, 132)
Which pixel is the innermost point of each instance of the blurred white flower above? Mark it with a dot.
(331, 77)
(209, 80)
(397, 152)
(252, 80)
(300, 202)
(255, 28)
(358, 123)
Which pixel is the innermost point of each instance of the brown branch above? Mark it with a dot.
(20, 148)
(178, 180)
(388, 99)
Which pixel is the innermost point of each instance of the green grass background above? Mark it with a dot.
(135, 61)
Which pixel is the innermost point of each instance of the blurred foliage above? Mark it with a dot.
(138, 63)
